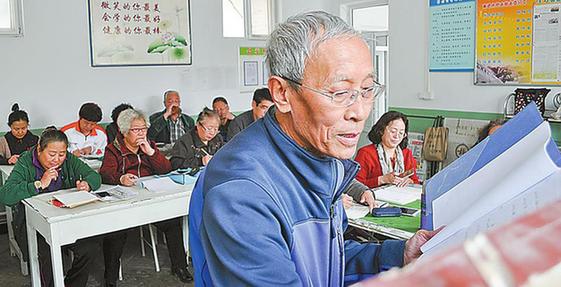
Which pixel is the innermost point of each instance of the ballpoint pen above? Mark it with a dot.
(206, 153)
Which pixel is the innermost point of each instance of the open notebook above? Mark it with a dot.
(399, 195)
(73, 199)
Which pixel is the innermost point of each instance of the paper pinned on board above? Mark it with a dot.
(398, 195)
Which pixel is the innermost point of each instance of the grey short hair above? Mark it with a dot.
(126, 117)
(166, 93)
(295, 40)
(207, 114)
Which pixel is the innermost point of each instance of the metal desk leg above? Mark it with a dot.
(56, 259)
(10, 230)
(14, 247)
(186, 234)
(33, 257)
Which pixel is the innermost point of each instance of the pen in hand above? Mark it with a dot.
(206, 153)
(80, 184)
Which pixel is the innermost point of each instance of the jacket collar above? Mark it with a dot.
(12, 139)
(119, 143)
(76, 125)
(196, 140)
(321, 174)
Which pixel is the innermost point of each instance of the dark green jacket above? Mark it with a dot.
(159, 127)
(19, 184)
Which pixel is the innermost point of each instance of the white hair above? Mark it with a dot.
(126, 117)
(294, 41)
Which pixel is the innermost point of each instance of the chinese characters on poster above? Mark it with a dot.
(139, 32)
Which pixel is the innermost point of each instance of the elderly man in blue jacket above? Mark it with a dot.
(272, 212)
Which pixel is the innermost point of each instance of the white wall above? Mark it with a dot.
(48, 71)
(408, 34)
(292, 7)
(49, 74)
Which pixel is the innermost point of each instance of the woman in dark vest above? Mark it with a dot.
(18, 139)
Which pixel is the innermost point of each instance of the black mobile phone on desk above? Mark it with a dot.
(386, 212)
(102, 194)
(409, 211)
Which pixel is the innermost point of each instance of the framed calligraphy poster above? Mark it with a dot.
(139, 32)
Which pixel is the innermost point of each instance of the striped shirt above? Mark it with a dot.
(176, 129)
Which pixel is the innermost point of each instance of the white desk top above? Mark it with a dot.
(6, 169)
(52, 214)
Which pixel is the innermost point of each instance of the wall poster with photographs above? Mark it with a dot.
(139, 33)
(518, 42)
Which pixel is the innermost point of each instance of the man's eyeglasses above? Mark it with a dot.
(345, 98)
(208, 129)
(138, 130)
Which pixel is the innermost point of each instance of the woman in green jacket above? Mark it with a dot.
(47, 168)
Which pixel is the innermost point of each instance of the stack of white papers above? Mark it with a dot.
(398, 195)
(116, 193)
(511, 173)
(160, 184)
(357, 211)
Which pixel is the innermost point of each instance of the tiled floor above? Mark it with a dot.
(137, 270)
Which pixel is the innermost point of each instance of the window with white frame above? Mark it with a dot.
(371, 17)
(10, 17)
(246, 18)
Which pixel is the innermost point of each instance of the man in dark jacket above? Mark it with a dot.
(170, 124)
(221, 107)
(261, 103)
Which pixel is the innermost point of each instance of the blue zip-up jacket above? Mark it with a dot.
(272, 216)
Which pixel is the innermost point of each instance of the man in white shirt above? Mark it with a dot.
(85, 136)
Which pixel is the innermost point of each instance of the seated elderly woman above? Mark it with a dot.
(387, 159)
(18, 139)
(196, 147)
(130, 156)
(50, 167)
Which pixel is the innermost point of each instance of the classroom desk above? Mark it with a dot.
(14, 247)
(403, 227)
(6, 170)
(61, 226)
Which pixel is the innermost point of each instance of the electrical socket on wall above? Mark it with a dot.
(425, 95)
